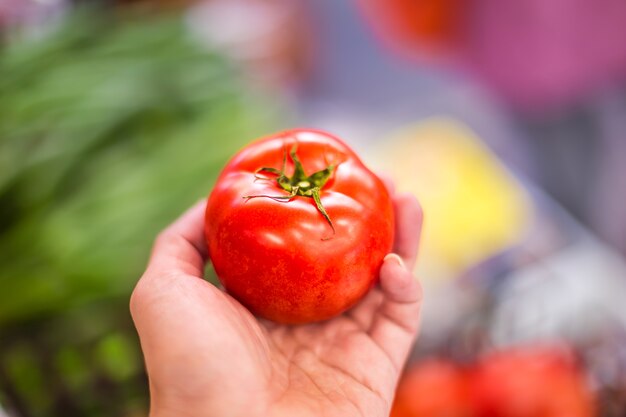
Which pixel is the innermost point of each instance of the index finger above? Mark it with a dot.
(181, 246)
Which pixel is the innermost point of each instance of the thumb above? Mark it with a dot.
(396, 322)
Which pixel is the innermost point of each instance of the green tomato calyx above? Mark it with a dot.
(299, 184)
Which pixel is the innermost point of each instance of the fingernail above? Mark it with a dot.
(394, 258)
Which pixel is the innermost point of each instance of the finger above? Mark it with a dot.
(181, 246)
(396, 322)
(408, 227)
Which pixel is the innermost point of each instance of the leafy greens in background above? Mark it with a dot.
(108, 129)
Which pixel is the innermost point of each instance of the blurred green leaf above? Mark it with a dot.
(109, 128)
(72, 366)
(116, 354)
(23, 367)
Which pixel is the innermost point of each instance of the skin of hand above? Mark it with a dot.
(207, 355)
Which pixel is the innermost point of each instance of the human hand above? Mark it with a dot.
(207, 355)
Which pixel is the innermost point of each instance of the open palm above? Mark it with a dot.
(207, 355)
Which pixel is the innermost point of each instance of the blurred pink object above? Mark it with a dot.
(538, 53)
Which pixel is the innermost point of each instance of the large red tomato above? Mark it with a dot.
(297, 227)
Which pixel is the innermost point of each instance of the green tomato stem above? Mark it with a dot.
(299, 184)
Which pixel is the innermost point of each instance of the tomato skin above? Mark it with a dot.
(281, 259)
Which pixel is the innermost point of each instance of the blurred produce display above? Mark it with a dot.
(112, 123)
(555, 70)
(536, 55)
(527, 381)
(504, 269)
(110, 126)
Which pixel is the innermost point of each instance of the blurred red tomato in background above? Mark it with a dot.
(435, 388)
(534, 381)
(531, 382)
(426, 25)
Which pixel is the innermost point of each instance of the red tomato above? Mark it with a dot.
(297, 227)
(531, 382)
(411, 26)
(434, 388)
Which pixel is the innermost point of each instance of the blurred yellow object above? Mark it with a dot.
(473, 207)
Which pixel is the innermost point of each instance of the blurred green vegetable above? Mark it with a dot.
(109, 128)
